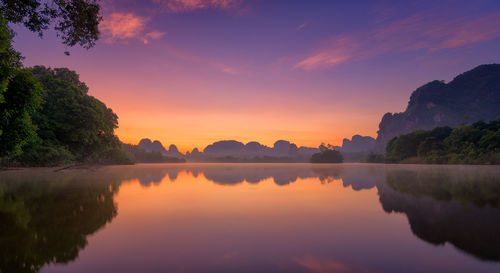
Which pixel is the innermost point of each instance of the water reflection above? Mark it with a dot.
(46, 217)
(48, 221)
(459, 207)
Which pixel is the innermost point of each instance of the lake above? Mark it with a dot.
(251, 218)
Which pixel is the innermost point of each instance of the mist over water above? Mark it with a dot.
(251, 218)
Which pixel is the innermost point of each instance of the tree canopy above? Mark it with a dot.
(327, 155)
(478, 143)
(72, 126)
(75, 21)
(20, 97)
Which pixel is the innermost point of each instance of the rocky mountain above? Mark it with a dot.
(282, 151)
(281, 148)
(471, 96)
(173, 151)
(358, 144)
(156, 146)
(149, 146)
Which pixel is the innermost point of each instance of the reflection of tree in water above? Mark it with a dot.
(47, 221)
(457, 206)
(443, 204)
(480, 186)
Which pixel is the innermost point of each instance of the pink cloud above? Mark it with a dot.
(191, 5)
(125, 26)
(122, 26)
(317, 265)
(231, 71)
(303, 25)
(153, 35)
(420, 31)
(339, 50)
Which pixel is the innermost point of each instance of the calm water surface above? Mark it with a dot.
(251, 218)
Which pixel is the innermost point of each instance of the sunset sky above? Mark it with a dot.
(191, 72)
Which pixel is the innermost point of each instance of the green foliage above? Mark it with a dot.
(39, 154)
(478, 143)
(9, 60)
(327, 156)
(76, 21)
(72, 126)
(20, 100)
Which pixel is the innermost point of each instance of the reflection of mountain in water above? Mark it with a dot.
(443, 206)
(352, 176)
(281, 176)
(45, 219)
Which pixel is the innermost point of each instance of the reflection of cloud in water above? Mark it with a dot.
(443, 204)
(314, 264)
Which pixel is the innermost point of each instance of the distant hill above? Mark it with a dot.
(471, 96)
(232, 150)
(355, 149)
(156, 146)
(358, 144)
(152, 146)
(140, 155)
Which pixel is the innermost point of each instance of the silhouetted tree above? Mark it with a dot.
(76, 21)
(327, 156)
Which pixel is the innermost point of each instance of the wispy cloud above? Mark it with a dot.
(126, 26)
(303, 25)
(314, 264)
(339, 50)
(192, 5)
(425, 31)
(153, 35)
(230, 71)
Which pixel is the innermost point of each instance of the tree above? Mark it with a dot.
(327, 156)
(478, 143)
(21, 99)
(75, 21)
(72, 122)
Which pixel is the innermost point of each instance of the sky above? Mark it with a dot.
(191, 72)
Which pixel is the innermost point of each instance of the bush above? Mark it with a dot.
(327, 156)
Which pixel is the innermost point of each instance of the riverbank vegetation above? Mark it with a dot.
(46, 115)
(327, 154)
(478, 143)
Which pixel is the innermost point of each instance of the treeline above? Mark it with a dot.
(46, 115)
(139, 155)
(49, 119)
(327, 154)
(478, 143)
